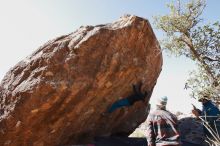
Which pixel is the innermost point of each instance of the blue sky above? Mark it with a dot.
(27, 24)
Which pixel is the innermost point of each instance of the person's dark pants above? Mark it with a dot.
(184, 143)
(118, 104)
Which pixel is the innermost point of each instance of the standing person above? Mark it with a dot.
(210, 112)
(162, 126)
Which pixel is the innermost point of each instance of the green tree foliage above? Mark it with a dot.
(185, 35)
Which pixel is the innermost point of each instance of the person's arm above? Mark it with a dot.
(150, 132)
(142, 95)
(148, 94)
(137, 94)
(196, 112)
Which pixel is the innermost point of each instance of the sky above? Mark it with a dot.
(25, 25)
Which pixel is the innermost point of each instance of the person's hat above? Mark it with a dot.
(203, 96)
(162, 101)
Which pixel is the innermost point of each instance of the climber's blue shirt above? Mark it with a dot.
(209, 109)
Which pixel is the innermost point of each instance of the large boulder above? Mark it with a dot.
(57, 95)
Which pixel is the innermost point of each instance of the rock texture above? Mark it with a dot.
(191, 130)
(56, 95)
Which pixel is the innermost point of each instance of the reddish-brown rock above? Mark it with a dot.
(57, 95)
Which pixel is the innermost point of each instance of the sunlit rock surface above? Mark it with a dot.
(57, 95)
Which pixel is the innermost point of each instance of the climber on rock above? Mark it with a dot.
(137, 95)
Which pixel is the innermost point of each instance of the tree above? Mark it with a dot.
(185, 35)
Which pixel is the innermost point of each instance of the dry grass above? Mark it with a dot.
(215, 139)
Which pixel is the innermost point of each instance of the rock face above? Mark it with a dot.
(191, 130)
(57, 95)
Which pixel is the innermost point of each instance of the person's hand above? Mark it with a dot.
(195, 113)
